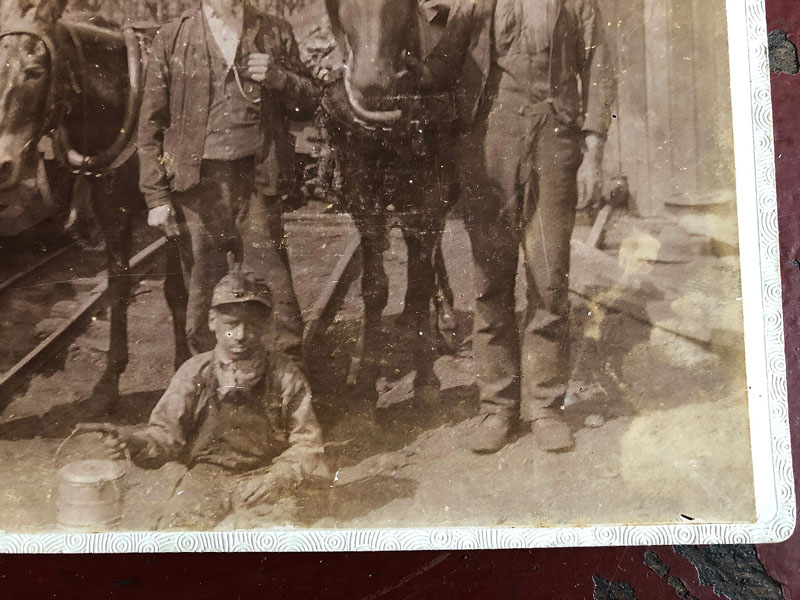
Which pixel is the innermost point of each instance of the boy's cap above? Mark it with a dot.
(241, 285)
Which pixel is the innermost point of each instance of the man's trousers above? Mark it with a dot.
(519, 171)
(224, 213)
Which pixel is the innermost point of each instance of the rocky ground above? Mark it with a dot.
(660, 418)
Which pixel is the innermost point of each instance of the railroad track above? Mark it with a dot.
(45, 303)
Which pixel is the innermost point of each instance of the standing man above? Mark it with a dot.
(535, 86)
(216, 153)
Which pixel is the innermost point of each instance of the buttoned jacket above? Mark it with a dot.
(177, 96)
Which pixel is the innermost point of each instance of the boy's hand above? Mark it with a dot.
(260, 489)
(116, 439)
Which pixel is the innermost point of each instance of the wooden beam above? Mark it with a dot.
(657, 45)
(323, 311)
(681, 92)
(633, 105)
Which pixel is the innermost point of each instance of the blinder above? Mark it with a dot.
(55, 108)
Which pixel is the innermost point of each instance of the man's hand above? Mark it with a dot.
(417, 75)
(590, 173)
(116, 439)
(164, 218)
(262, 69)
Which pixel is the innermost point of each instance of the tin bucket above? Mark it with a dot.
(90, 492)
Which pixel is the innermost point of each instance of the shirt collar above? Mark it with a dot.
(238, 374)
(226, 32)
(237, 12)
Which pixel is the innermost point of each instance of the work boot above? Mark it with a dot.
(490, 434)
(552, 434)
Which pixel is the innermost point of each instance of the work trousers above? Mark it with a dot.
(519, 171)
(224, 213)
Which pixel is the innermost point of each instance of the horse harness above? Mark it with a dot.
(426, 114)
(63, 82)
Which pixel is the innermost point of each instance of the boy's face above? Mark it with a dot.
(239, 328)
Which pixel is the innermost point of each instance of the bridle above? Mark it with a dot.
(57, 105)
(55, 108)
(372, 120)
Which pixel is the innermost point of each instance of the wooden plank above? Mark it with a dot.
(612, 155)
(657, 88)
(330, 299)
(633, 105)
(61, 336)
(713, 108)
(595, 238)
(682, 99)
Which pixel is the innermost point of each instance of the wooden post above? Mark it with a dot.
(713, 106)
(657, 66)
(681, 91)
(632, 101)
(612, 156)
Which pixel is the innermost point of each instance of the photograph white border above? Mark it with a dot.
(766, 376)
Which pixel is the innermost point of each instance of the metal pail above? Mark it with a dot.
(90, 492)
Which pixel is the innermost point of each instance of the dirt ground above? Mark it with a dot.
(660, 421)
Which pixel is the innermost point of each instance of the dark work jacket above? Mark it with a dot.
(177, 96)
(272, 422)
(582, 83)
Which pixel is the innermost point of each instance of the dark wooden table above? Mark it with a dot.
(739, 572)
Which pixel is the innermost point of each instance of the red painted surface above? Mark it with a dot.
(537, 574)
(783, 560)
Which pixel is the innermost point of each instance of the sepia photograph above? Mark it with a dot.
(388, 274)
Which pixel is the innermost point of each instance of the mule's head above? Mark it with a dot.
(25, 72)
(375, 36)
(24, 81)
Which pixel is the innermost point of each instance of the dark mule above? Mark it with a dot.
(80, 84)
(392, 149)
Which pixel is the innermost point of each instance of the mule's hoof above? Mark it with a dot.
(427, 395)
(404, 321)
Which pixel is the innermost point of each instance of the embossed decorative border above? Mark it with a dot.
(766, 370)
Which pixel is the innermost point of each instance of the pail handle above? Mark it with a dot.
(79, 429)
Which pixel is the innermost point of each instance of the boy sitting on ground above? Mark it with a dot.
(240, 417)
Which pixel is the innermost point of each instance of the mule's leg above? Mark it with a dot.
(116, 225)
(375, 292)
(177, 299)
(444, 312)
(420, 242)
(442, 297)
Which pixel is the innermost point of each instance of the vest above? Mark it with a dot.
(232, 128)
(242, 431)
